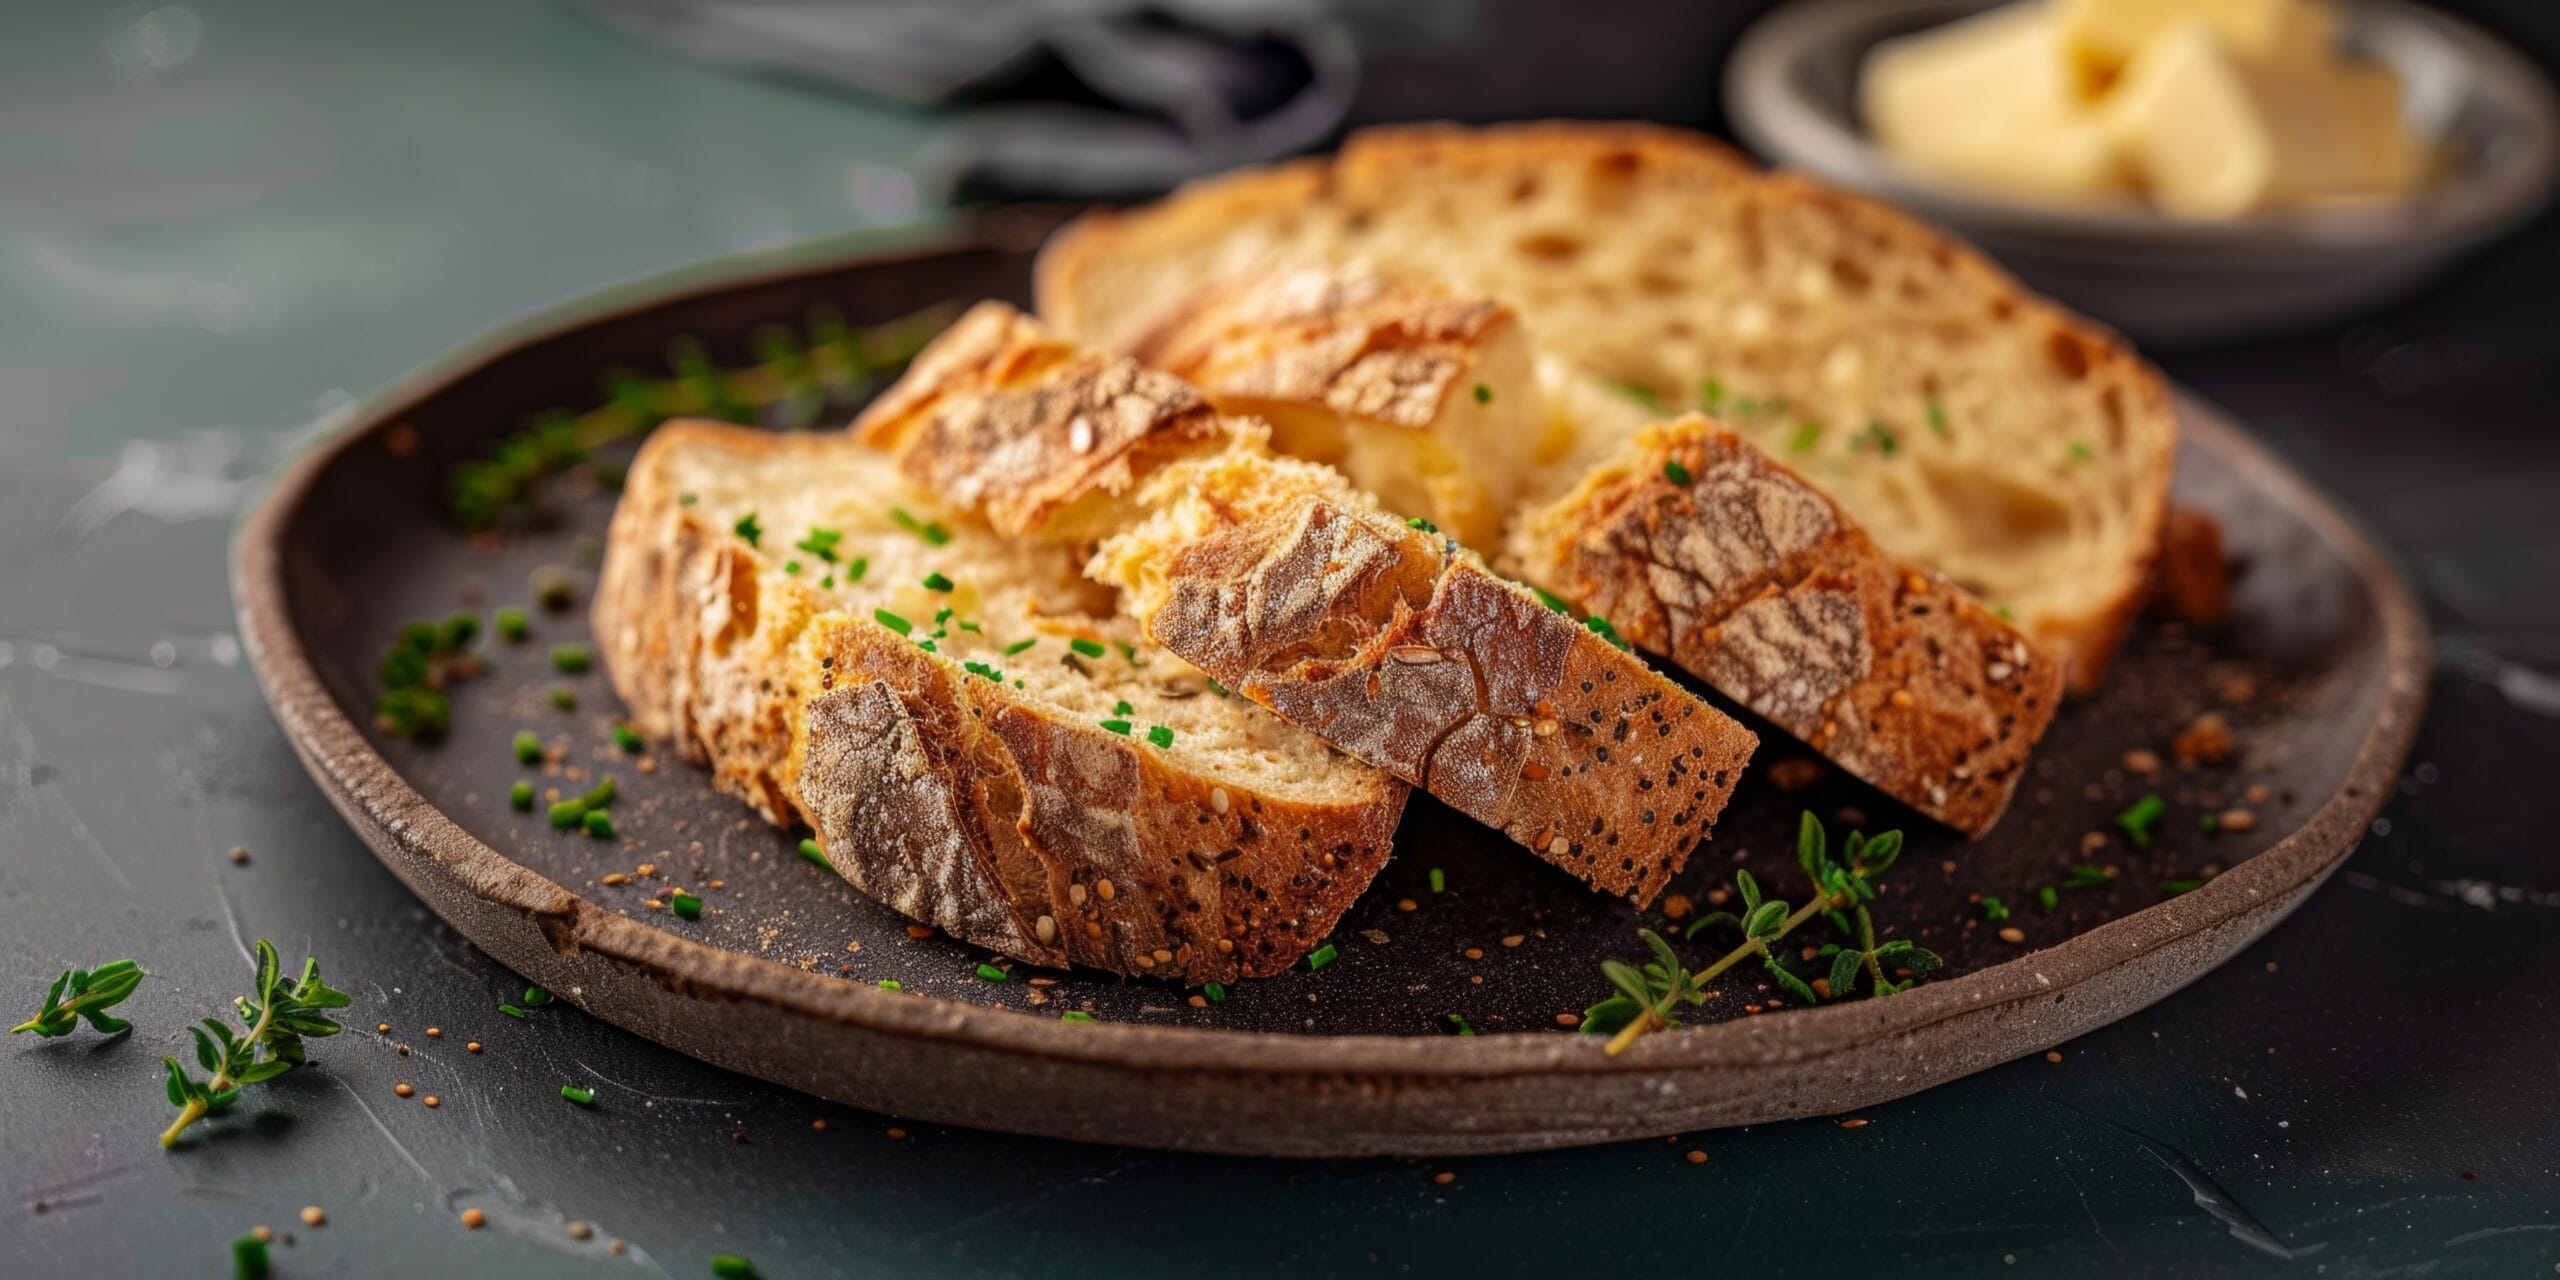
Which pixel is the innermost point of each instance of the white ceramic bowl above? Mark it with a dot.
(1791, 90)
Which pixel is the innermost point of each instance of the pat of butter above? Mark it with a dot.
(2110, 33)
(1994, 100)
(2215, 133)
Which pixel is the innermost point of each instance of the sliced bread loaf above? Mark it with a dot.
(1971, 426)
(1695, 543)
(1287, 584)
(974, 737)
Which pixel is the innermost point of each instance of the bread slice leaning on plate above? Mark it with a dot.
(1380, 633)
(1692, 541)
(1970, 426)
(974, 737)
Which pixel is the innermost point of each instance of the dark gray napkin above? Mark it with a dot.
(1077, 98)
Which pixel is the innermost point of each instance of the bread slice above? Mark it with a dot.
(1287, 584)
(1971, 426)
(974, 738)
(1695, 543)
(1698, 545)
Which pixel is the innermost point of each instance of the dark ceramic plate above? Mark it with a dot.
(2320, 674)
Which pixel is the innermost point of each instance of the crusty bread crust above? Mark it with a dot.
(1381, 638)
(1110, 278)
(949, 797)
(1434, 669)
(1698, 545)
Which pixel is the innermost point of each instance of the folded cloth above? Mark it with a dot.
(1074, 98)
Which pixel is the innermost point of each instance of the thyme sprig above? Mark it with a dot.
(85, 993)
(278, 1017)
(1650, 996)
(788, 385)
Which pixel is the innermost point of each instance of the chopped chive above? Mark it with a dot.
(791, 567)
(528, 747)
(581, 1095)
(600, 794)
(928, 646)
(1161, 736)
(1129, 653)
(2048, 897)
(861, 565)
(893, 622)
(511, 1011)
(1600, 627)
(1321, 956)
(1122, 707)
(1219, 689)
(685, 905)
(2209, 823)
(933, 533)
(1484, 394)
(249, 1259)
(627, 738)
(2139, 819)
(1877, 434)
(1552, 600)
(1075, 1015)
(809, 849)
(536, 997)
(1994, 909)
(1937, 417)
(992, 973)
(982, 669)
(1120, 727)
(828, 582)
(571, 659)
(1711, 396)
(520, 796)
(563, 698)
(2085, 876)
(2081, 452)
(567, 814)
(1675, 473)
(514, 625)
(966, 625)
(729, 1266)
(2005, 613)
(1020, 645)
(747, 528)
(941, 615)
(1216, 993)
(820, 543)
(1808, 434)
(1439, 880)
(891, 984)
(1425, 526)
(599, 824)
(1637, 392)
(1457, 1024)
(1089, 648)
(936, 582)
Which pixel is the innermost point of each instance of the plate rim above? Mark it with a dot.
(385, 810)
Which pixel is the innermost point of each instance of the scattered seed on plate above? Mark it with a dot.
(239, 853)
(578, 1230)
(1695, 1156)
(2013, 934)
(313, 1215)
(474, 1219)
(474, 1046)
(404, 1088)
(432, 1101)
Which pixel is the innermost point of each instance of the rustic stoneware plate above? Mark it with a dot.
(2320, 674)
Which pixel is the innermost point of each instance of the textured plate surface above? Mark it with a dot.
(2320, 675)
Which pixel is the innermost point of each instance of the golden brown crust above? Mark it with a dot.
(1080, 422)
(948, 797)
(1362, 346)
(1698, 545)
(1461, 683)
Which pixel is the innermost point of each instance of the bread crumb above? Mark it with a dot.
(2013, 934)
(2206, 740)
(2237, 820)
(2142, 760)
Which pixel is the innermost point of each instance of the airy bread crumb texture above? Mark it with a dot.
(1966, 424)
